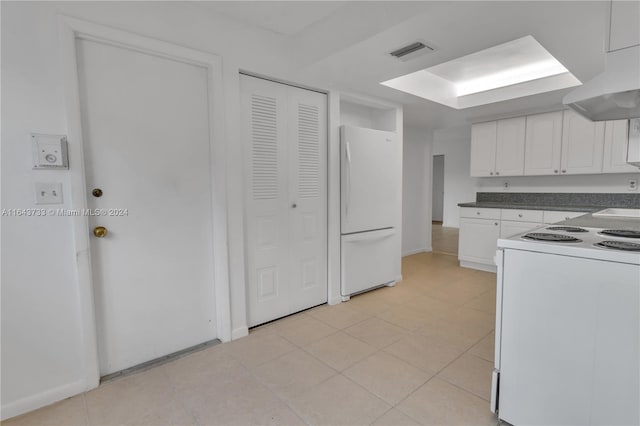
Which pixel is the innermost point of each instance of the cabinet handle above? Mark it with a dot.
(491, 173)
(495, 223)
(520, 215)
(564, 171)
(478, 213)
(555, 171)
(497, 173)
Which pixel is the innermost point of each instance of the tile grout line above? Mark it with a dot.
(436, 376)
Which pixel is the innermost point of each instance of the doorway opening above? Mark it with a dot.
(443, 239)
(437, 204)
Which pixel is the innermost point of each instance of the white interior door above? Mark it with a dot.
(146, 136)
(285, 149)
(307, 112)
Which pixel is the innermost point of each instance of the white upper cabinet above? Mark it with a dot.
(543, 144)
(483, 149)
(616, 142)
(582, 144)
(553, 143)
(625, 21)
(510, 147)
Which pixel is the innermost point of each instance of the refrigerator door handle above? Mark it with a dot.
(370, 236)
(348, 177)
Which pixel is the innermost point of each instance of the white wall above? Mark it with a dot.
(416, 199)
(607, 183)
(42, 347)
(455, 144)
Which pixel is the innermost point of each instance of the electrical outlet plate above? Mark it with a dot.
(49, 151)
(633, 185)
(48, 193)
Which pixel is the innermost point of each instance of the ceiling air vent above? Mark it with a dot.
(412, 50)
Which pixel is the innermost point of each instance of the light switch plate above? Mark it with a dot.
(48, 193)
(49, 151)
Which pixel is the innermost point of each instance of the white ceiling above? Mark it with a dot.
(345, 45)
(281, 17)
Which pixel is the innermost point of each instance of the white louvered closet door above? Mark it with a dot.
(307, 127)
(284, 134)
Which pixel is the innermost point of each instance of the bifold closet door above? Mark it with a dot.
(284, 135)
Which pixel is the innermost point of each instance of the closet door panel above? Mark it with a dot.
(264, 123)
(308, 198)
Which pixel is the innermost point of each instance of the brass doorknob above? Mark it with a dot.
(100, 231)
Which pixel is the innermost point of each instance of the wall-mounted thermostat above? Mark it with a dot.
(49, 151)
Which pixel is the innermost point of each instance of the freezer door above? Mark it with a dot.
(368, 260)
(369, 179)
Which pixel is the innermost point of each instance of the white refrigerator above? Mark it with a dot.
(370, 196)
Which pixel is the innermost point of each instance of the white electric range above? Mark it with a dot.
(568, 327)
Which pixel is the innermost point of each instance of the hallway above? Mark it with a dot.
(444, 239)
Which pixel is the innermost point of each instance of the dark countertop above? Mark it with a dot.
(496, 205)
(590, 221)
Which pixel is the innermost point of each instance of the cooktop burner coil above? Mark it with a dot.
(566, 229)
(619, 245)
(626, 233)
(544, 236)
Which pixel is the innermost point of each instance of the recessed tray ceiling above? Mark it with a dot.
(518, 68)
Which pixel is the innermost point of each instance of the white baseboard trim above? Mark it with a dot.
(239, 332)
(478, 266)
(335, 300)
(42, 399)
(415, 251)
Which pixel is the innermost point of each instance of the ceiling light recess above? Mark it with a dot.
(510, 70)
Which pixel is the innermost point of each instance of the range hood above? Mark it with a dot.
(614, 94)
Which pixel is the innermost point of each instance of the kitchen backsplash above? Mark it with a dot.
(564, 199)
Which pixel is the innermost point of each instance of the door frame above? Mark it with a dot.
(433, 162)
(71, 29)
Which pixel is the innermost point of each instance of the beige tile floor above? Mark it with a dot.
(444, 239)
(416, 353)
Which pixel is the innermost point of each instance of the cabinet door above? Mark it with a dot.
(483, 149)
(558, 216)
(510, 147)
(543, 142)
(478, 240)
(616, 142)
(510, 228)
(582, 144)
(625, 20)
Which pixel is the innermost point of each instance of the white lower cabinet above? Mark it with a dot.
(480, 229)
(478, 242)
(509, 228)
(558, 216)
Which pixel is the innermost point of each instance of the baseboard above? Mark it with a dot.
(335, 300)
(478, 266)
(239, 332)
(42, 399)
(415, 251)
